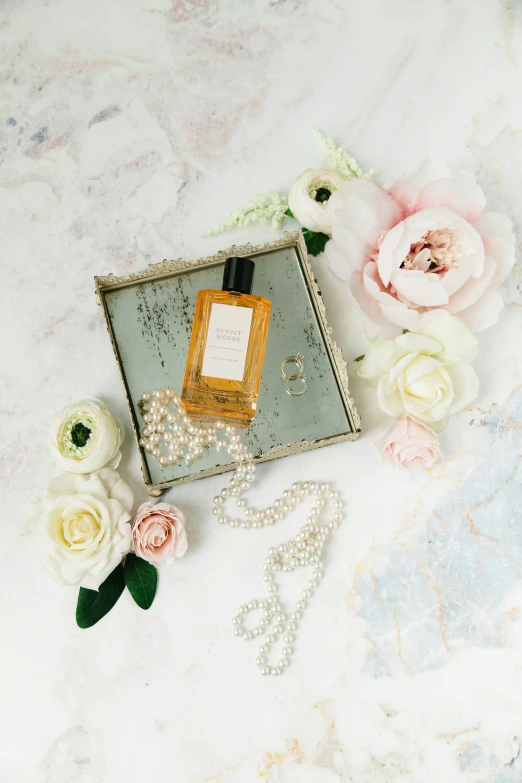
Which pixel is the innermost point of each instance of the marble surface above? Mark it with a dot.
(128, 128)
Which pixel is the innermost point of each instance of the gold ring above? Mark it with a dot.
(297, 359)
(296, 377)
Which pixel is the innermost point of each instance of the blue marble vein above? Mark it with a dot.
(441, 589)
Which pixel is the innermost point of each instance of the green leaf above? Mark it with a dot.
(315, 241)
(142, 579)
(290, 213)
(94, 604)
(405, 331)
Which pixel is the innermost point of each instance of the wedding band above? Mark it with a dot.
(296, 377)
(298, 360)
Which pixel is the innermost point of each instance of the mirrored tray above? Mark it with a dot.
(149, 320)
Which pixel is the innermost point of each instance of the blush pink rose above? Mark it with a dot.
(421, 248)
(410, 444)
(159, 533)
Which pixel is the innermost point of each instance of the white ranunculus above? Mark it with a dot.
(308, 199)
(85, 436)
(426, 376)
(81, 527)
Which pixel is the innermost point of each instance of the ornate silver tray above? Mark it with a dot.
(149, 320)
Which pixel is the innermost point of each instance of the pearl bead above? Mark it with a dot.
(185, 439)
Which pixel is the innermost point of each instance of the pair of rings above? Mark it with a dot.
(292, 377)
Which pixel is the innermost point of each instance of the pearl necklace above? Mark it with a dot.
(169, 435)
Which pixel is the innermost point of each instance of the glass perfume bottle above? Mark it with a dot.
(226, 349)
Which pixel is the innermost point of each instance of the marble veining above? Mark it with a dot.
(127, 130)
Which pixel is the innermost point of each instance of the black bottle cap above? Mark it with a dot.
(238, 275)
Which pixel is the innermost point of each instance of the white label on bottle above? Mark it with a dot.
(227, 342)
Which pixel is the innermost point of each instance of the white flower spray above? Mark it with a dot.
(274, 207)
(345, 164)
(260, 209)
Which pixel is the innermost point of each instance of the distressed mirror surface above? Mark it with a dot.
(149, 318)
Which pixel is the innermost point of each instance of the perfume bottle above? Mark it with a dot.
(226, 349)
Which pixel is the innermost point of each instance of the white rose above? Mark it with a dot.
(85, 436)
(426, 376)
(81, 527)
(308, 199)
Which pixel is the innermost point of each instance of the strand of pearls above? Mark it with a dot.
(169, 435)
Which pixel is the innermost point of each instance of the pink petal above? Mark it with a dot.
(181, 543)
(363, 209)
(391, 309)
(366, 301)
(406, 190)
(460, 194)
(394, 248)
(455, 278)
(503, 252)
(472, 289)
(422, 288)
(484, 313)
(340, 264)
(497, 234)
(495, 224)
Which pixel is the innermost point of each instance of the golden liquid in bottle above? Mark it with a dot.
(207, 397)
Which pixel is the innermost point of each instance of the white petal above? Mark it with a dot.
(66, 483)
(423, 365)
(379, 359)
(465, 385)
(458, 343)
(312, 214)
(399, 368)
(390, 399)
(124, 494)
(428, 316)
(419, 343)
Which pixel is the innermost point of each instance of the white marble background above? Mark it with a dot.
(128, 128)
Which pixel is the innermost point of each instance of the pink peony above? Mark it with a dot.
(159, 533)
(410, 444)
(421, 248)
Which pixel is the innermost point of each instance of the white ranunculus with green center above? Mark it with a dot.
(85, 436)
(81, 527)
(426, 376)
(308, 199)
